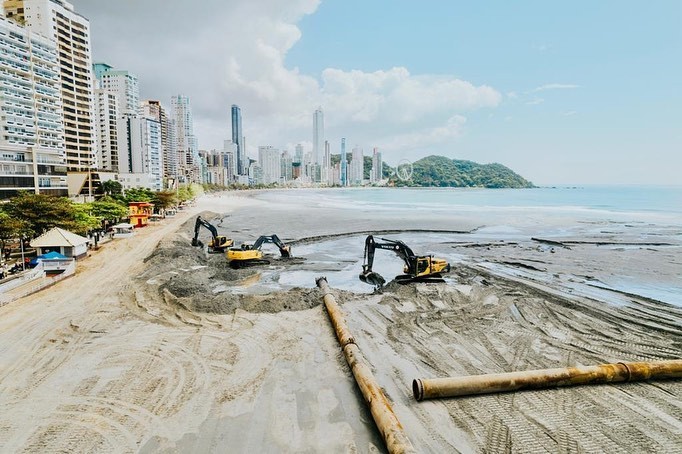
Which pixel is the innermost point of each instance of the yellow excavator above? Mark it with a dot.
(218, 243)
(424, 268)
(251, 254)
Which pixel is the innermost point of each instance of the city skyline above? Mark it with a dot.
(528, 91)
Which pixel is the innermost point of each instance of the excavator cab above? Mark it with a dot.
(218, 243)
(417, 268)
(251, 254)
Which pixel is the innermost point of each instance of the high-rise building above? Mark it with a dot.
(327, 164)
(154, 109)
(238, 139)
(298, 156)
(98, 69)
(230, 160)
(57, 21)
(376, 174)
(187, 151)
(357, 167)
(344, 164)
(32, 155)
(287, 170)
(106, 129)
(270, 163)
(140, 156)
(318, 136)
(123, 84)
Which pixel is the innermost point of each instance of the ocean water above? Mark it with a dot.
(637, 217)
(648, 203)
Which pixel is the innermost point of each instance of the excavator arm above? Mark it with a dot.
(274, 239)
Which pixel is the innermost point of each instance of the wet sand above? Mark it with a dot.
(165, 348)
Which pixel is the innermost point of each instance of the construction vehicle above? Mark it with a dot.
(218, 243)
(424, 268)
(251, 254)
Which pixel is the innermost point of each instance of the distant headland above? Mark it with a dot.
(439, 171)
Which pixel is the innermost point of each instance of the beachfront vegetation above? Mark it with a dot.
(29, 215)
(440, 171)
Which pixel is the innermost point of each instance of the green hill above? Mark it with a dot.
(445, 172)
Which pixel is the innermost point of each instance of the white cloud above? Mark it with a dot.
(233, 52)
(535, 101)
(555, 87)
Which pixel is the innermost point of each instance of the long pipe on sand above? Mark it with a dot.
(382, 412)
(545, 378)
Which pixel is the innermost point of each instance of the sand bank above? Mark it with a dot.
(165, 348)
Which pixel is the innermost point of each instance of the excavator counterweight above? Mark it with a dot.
(417, 268)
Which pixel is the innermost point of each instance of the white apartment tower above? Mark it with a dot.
(270, 163)
(187, 152)
(357, 168)
(154, 109)
(32, 155)
(106, 129)
(376, 174)
(57, 20)
(327, 164)
(318, 138)
(124, 85)
(147, 159)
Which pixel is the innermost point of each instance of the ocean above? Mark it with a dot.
(629, 237)
(650, 203)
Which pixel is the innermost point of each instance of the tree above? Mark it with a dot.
(184, 193)
(112, 187)
(10, 228)
(83, 220)
(164, 199)
(138, 195)
(41, 212)
(108, 209)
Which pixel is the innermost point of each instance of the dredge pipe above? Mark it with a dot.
(385, 419)
(545, 378)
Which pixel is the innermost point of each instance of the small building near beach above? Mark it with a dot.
(140, 212)
(62, 241)
(123, 230)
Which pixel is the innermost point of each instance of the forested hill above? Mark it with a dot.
(445, 172)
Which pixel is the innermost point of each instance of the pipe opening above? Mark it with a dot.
(418, 389)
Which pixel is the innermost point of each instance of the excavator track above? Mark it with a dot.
(237, 264)
(407, 279)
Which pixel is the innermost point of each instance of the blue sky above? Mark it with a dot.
(619, 63)
(574, 92)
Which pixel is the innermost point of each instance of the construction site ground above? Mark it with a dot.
(158, 346)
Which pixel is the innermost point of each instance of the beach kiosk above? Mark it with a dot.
(59, 240)
(123, 230)
(140, 212)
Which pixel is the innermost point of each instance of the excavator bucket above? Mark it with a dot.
(196, 242)
(372, 278)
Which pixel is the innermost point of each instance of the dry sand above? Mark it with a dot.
(166, 349)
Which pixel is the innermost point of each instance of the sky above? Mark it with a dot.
(580, 92)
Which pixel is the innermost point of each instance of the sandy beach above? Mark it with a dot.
(158, 346)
